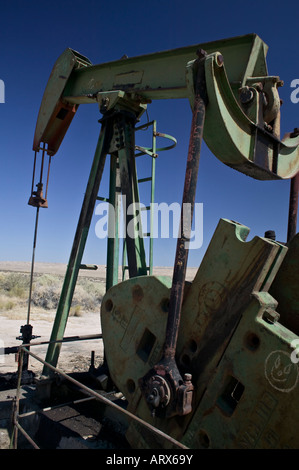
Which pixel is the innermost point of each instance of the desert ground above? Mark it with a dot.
(84, 320)
(84, 317)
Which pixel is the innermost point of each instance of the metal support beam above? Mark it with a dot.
(113, 224)
(72, 271)
(116, 124)
(293, 208)
(129, 187)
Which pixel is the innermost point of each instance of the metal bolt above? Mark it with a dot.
(104, 105)
(295, 132)
(219, 60)
(246, 95)
(187, 377)
(201, 53)
(271, 316)
(270, 234)
(259, 86)
(154, 398)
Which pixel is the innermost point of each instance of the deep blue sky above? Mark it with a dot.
(32, 36)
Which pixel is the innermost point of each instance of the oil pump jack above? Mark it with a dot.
(210, 363)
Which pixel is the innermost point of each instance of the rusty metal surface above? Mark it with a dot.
(178, 399)
(157, 433)
(181, 258)
(233, 279)
(230, 271)
(285, 287)
(136, 311)
(251, 401)
(55, 116)
(293, 208)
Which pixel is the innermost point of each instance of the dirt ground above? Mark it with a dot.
(74, 356)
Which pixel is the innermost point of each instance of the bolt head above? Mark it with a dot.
(219, 60)
(201, 53)
(187, 377)
(246, 95)
(271, 316)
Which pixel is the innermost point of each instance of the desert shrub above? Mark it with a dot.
(14, 284)
(46, 298)
(46, 290)
(75, 311)
(6, 304)
(9, 305)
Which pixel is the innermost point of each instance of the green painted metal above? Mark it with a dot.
(230, 340)
(162, 75)
(240, 142)
(113, 224)
(252, 398)
(117, 139)
(229, 328)
(153, 180)
(134, 236)
(285, 287)
(248, 135)
(76, 255)
(153, 153)
(144, 300)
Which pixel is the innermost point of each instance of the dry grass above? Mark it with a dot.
(14, 294)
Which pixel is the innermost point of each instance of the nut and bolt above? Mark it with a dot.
(219, 60)
(187, 378)
(104, 105)
(246, 95)
(201, 53)
(270, 234)
(295, 132)
(271, 316)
